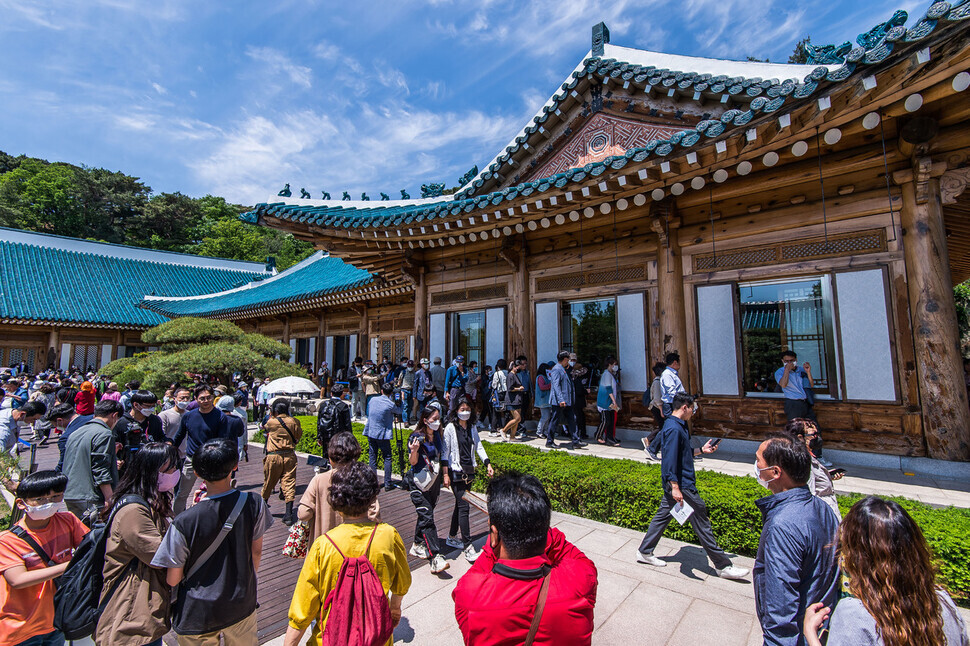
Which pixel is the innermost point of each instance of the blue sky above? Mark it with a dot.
(236, 98)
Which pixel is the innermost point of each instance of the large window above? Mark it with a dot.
(589, 329)
(468, 336)
(787, 315)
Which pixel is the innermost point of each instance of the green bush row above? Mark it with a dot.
(627, 493)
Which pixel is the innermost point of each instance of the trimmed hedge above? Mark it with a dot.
(627, 493)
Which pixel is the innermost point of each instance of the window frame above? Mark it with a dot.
(565, 306)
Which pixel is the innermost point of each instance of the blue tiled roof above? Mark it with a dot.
(42, 279)
(316, 276)
(753, 96)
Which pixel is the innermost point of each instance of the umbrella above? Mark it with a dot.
(291, 385)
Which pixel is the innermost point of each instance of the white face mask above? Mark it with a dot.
(464, 414)
(147, 411)
(182, 405)
(614, 368)
(757, 474)
(434, 425)
(571, 363)
(43, 512)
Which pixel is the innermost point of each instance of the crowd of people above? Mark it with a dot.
(183, 555)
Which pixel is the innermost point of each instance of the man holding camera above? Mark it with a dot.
(793, 379)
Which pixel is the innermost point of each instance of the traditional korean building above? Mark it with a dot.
(727, 210)
(68, 302)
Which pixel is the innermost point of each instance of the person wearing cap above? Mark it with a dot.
(438, 379)
(423, 387)
(236, 423)
(455, 379)
(112, 392)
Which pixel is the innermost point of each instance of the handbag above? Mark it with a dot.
(298, 542)
(425, 478)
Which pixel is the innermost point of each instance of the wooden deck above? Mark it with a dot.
(277, 573)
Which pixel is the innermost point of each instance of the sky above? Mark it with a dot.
(237, 98)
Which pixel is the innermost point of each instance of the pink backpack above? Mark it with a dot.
(360, 614)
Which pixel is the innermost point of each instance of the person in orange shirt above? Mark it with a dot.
(26, 576)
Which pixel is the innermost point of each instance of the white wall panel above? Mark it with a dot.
(437, 342)
(353, 347)
(864, 325)
(494, 335)
(632, 342)
(292, 350)
(547, 332)
(373, 349)
(65, 356)
(328, 349)
(105, 355)
(719, 355)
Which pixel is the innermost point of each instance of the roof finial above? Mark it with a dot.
(601, 36)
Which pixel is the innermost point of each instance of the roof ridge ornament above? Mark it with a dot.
(601, 36)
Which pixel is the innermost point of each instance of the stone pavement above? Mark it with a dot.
(735, 457)
(682, 604)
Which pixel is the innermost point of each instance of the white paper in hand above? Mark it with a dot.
(681, 512)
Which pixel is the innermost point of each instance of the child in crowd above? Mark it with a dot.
(32, 554)
(217, 569)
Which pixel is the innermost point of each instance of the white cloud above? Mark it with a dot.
(278, 63)
(326, 51)
(159, 88)
(374, 149)
(392, 78)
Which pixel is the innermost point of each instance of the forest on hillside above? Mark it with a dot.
(110, 206)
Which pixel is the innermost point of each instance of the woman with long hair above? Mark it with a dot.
(894, 597)
(462, 445)
(426, 447)
(607, 403)
(137, 613)
(820, 483)
(514, 396)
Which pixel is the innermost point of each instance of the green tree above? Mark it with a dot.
(799, 56)
(166, 222)
(44, 197)
(194, 349)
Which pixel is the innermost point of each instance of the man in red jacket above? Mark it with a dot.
(497, 600)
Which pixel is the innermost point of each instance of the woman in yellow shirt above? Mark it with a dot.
(352, 492)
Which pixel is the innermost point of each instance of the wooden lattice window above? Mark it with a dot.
(575, 280)
(872, 241)
(469, 294)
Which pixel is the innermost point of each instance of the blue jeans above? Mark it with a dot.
(384, 447)
(407, 402)
(55, 638)
(545, 415)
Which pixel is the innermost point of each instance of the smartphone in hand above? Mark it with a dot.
(836, 472)
(716, 441)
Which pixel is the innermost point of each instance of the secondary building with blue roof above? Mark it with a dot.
(68, 302)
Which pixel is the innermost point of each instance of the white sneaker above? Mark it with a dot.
(825, 463)
(733, 572)
(454, 542)
(505, 437)
(493, 434)
(420, 551)
(650, 559)
(439, 564)
(471, 554)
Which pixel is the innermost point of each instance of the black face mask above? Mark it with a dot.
(815, 444)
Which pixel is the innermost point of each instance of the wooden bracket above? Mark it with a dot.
(411, 270)
(509, 254)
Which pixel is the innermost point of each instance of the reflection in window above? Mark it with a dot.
(786, 315)
(468, 340)
(589, 329)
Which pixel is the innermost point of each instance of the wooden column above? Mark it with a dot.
(420, 313)
(670, 285)
(321, 349)
(520, 332)
(943, 394)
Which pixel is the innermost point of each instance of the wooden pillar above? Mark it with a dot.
(321, 344)
(521, 337)
(286, 328)
(943, 395)
(420, 313)
(670, 287)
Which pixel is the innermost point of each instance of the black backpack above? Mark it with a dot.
(77, 604)
(327, 421)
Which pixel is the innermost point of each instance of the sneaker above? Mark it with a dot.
(420, 551)
(471, 554)
(505, 438)
(493, 434)
(733, 572)
(454, 542)
(439, 564)
(650, 559)
(825, 463)
(552, 446)
(651, 455)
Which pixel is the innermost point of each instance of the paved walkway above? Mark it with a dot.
(858, 479)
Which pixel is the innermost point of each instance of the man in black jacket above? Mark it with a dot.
(333, 417)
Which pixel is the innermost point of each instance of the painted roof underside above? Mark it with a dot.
(316, 276)
(41, 283)
(758, 96)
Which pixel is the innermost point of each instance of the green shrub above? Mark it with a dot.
(627, 493)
